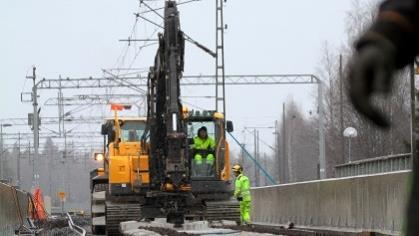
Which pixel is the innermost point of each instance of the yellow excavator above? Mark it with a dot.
(149, 170)
(116, 187)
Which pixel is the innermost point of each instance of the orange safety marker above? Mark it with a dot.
(117, 107)
(39, 205)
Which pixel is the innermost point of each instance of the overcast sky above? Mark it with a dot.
(78, 38)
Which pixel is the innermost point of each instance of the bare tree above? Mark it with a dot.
(371, 141)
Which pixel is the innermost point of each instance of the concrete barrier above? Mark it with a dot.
(374, 203)
(14, 210)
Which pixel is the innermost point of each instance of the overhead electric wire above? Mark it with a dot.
(187, 37)
(262, 141)
(151, 9)
(141, 47)
(125, 50)
(161, 8)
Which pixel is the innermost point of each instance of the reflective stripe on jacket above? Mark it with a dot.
(242, 188)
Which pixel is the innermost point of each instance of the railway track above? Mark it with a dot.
(75, 228)
(160, 227)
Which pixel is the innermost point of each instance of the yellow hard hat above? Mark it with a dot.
(237, 168)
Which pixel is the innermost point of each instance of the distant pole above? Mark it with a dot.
(341, 110)
(2, 164)
(35, 122)
(322, 151)
(242, 154)
(32, 164)
(265, 163)
(349, 151)
(258, 158)
(414, 114)
(284, 145)
(277, 158)
(255, 149)
(18, 162)
(412, 206)
(1, 151)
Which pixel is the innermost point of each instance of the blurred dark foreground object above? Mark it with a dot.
(391, 43)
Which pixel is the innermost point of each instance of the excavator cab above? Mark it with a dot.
(216, 129)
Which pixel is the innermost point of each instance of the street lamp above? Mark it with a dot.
(2, 148)
(350, 133)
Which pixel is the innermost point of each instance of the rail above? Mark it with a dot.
(77, 229)
(376, 165)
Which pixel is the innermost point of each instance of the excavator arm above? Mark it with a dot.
(169, 161)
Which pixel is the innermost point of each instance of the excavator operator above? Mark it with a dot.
(204, 155)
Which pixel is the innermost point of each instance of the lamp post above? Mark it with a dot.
(2, 149)
(350, 133)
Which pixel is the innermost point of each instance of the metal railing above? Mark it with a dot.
(377, 165)
(75, 228)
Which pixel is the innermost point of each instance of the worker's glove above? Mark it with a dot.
(239, 199)
(370, 72)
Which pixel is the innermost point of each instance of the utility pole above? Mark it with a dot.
(18, 162)
(265, 163)
(256, 154)
(2, 169)
(35, 123)
(291, 169)
(32, 164)
(219, 59)
(284, 145)
(60, 104)
(257, 157)
(1, 152)
(322, 148)
(414, 124)
(242, 154)
(342, 138)
(277, 156)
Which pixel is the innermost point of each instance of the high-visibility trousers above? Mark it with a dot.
(209, 159)
(245, 212)
(203, 166)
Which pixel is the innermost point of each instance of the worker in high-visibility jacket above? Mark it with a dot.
(204, 156)
(242, 194)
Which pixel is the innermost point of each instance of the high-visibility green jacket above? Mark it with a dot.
(242, 188)
(203, 144)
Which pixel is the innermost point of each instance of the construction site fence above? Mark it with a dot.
(370, 203)
(14, 209)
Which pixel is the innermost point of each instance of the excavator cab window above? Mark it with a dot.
(131, 131)
(203, 160)
(194, 126)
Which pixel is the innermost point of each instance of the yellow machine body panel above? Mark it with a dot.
(140, 170)
(119, 170)
(126, 165)
(225, 173)
(125, 149)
